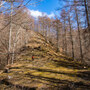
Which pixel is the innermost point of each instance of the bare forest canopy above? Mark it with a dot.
(15, 23)
(69, 31)
(44, 52)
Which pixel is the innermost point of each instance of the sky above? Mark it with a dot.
(46, 6)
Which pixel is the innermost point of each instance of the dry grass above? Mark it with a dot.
(48, 68)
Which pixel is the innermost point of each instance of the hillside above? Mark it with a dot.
(48, 71)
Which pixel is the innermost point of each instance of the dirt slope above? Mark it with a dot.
(48, 71)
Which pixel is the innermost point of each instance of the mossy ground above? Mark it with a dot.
(49, 70)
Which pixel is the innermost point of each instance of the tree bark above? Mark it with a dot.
(57, 39)
(71, 37)
(65, 37)
(10, 34)
(78, 25)
(87, 17)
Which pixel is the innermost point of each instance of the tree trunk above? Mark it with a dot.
(13, 55)
(71, 38)
(81, 54)
(87, 17)
(65, 37)
(10, 34)
(57, 39)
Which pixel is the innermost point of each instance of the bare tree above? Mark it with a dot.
(70, 26)
(63, 17)
(57, 26)
(78, 25)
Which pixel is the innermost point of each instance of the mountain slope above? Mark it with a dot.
(48, 71)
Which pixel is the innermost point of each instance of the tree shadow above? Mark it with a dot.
(69, 84)
(15, 87)
(83, 75)
(52, 71)
(68, 64)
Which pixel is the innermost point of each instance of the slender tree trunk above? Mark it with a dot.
(63, 43)
(10, 34)
(43, 31)
(26, 37)
(8, 57)
(14, 46)
(87, 17)
(81, 54)
(57, 39)
(71, 38)
(49, 32)
(46, 34)
(21, 39)
(65, 37)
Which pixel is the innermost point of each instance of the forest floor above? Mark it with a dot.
(48, 71)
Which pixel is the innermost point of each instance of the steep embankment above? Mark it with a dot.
(48, 71)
